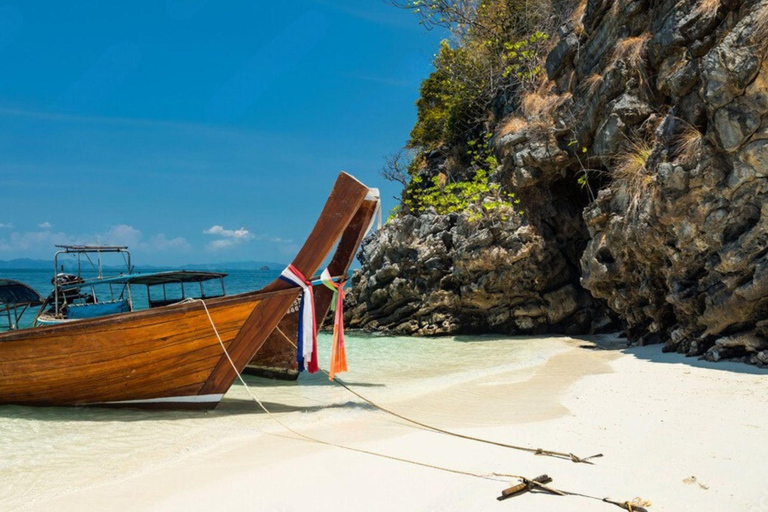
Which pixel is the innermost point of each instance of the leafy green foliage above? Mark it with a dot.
(459, 196)
(497, 50)
(455, 99)
(523, 57)
(394, 212)
(497, 46)
(447, 102)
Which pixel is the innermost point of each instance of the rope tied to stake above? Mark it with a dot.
(338, 351)
(540, 483)
(529, 484)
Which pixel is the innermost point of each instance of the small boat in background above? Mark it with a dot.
(78, 296)
(169, 356)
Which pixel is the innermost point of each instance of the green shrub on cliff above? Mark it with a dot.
(450, 99)
(496, 49)
(459, 196)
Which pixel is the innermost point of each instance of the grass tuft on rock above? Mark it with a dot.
(631, 174)
(688, 144)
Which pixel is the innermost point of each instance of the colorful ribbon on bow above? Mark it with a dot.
(338, 352)
(306, 351)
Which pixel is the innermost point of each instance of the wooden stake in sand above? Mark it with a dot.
(523, 487)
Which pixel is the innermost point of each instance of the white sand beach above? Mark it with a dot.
(677, 434)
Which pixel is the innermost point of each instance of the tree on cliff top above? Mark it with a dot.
(496, 46)
(496, 50)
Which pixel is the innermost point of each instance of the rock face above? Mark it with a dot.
(444, 274)
(684, 262)
(662, 106)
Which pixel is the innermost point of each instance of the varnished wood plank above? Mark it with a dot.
(277, 352)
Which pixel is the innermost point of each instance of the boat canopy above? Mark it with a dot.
(152, 278)
(14, 293)
(15, 298)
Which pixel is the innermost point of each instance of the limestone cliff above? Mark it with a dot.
(641, 172)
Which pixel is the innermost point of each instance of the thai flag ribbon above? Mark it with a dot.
(338, 352)
(306, 351)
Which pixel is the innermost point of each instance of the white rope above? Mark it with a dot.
(432, 428)
(495, 476)
(311, 439)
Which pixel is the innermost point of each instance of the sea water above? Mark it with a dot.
(49, 452)
(237, 281)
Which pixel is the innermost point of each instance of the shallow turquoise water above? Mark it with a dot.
(48, 452)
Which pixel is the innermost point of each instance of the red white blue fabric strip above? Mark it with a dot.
(306, 343)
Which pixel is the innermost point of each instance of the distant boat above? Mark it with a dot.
(78, 296)
(169, 357)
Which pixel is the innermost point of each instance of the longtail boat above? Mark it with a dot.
(169, 357)
(277, 357)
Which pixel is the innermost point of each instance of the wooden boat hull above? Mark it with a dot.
(133, 359)
(167, 357)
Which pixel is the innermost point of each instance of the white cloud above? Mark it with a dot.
(241, 233)
(42, 242)
(222, 243)
(227, 237)
(34, 240)
(4, 225)
(45, 225)
(123, 234)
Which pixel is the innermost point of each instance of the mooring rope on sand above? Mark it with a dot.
(530, 484)
(305, 437)
(535, 451)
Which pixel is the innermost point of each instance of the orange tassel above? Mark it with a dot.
(338, 352)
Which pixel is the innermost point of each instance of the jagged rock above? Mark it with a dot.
(745, 341)
(497, 275)
(560, 56)
(688, 264)
(610, 136)
(734, 124)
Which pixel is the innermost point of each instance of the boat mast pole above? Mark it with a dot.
(55, 284)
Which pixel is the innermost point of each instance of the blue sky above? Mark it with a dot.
(196, 130)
